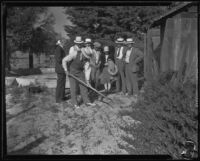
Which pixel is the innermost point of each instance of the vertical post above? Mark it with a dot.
(145, 56)
(149, 57)
(30, 59)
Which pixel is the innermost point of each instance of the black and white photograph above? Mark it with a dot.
(100, 79)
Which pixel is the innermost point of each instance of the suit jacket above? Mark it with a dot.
(123, 52)
(135, 57)
(59, 55)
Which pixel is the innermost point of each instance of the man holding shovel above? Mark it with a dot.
(77, 60)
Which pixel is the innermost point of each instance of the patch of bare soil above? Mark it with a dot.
(36, 125)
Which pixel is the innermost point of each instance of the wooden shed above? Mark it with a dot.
(171, 44)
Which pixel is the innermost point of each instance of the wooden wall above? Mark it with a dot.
(179, 47)
(175, 48)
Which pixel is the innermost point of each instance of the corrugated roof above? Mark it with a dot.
(170, 12)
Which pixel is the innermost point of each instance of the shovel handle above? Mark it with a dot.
(87, 85)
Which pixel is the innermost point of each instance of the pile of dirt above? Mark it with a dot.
(42, 127)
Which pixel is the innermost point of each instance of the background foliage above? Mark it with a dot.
(26, 31)
(169, 116)
(111, 21)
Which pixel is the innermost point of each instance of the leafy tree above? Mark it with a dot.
(26, 36)
(110, 21)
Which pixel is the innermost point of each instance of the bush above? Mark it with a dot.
(24, 72)
(169, 115)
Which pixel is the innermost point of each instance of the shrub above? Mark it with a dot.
(24, 72)
(169, 117)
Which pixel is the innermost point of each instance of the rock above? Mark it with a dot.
(25, 81)
(48, 80)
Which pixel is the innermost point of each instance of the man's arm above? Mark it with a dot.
(68, 58)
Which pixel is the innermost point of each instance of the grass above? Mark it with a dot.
(169, 117)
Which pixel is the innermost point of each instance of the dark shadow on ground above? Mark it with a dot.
(12, 116)
(25, 150)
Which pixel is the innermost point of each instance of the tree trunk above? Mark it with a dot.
(30, 59)
(39, 59)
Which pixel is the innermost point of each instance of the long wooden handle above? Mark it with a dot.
(87, 85)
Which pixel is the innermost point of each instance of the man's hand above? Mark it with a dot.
(88, 82)
(66, 71)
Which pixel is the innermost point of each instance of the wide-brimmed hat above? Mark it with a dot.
(106, 48)
(88, 41)
(112, 68)
(119, 40)
(130, 41)
(78, 40)
(97, 44)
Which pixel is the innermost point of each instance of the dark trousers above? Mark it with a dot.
(95, 73)
(131, 80)
(121, 81)
(60, 89)
(74, 84)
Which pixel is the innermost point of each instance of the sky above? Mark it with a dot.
(60, 20)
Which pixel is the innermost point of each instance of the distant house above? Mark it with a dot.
(171, 44)
(20, 59)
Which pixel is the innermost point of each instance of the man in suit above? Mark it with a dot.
(120, 51)
(132, 57)
(61, 76)
(76, 61)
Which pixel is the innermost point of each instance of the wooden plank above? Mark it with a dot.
(166, 46)
(145, 55)
(149, 56)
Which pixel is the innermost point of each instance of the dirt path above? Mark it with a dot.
(41, 127)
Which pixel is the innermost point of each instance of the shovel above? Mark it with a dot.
(71, 75)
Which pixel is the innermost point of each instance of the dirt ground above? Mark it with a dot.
(36, 125)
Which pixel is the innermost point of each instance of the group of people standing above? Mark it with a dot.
(97, 66)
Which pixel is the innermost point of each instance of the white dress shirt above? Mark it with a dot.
(106, 62)
(128, 54)
(120, 52)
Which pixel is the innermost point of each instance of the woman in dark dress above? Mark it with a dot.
(105, 76)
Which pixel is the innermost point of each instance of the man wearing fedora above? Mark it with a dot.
(77, 60)
(132, 57)
(120, 52)
(61, 76)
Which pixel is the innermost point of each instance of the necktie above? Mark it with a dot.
(118, 51)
